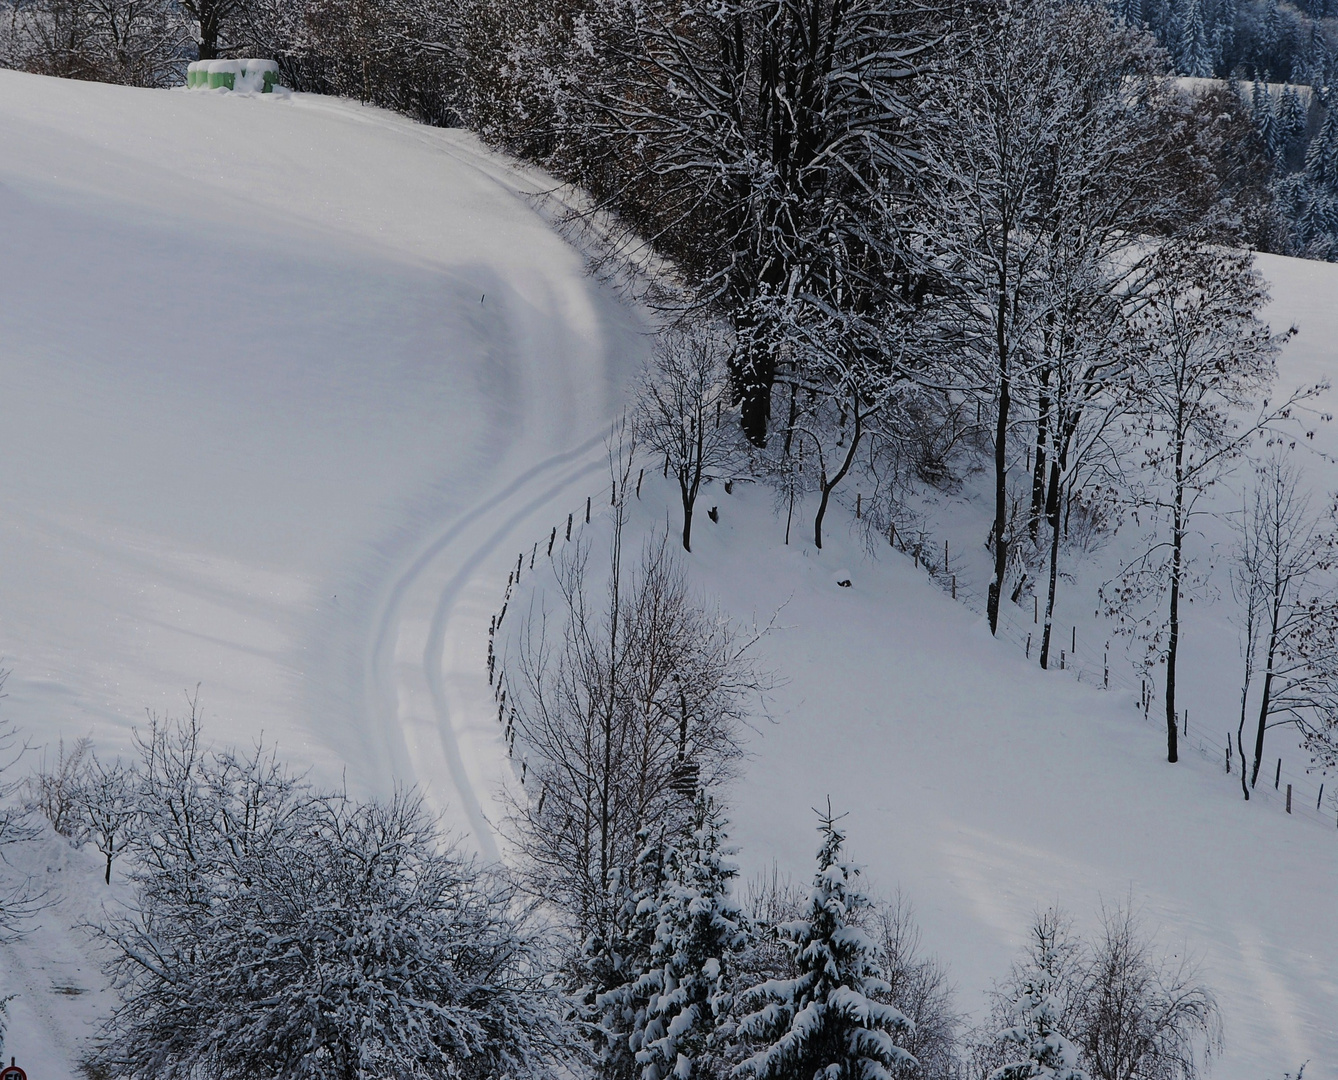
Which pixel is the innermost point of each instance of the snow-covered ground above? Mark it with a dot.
(287, 385)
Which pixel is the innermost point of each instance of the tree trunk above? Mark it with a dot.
(1052, 517)
(828, 488)
(1265, 697)
(1038, 468)
(1240, 742)
(1173, 631)
(1000, 464)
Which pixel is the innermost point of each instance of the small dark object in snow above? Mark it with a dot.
(714, 514)
(729, 487)
(844, 583)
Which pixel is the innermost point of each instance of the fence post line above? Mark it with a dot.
(1289, 798)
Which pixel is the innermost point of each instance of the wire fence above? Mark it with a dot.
(1302, 794)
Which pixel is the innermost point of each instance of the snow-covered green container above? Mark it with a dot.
(224, 73)
(250, 75)
(258, 76)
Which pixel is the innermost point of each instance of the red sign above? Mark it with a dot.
(13, 1072)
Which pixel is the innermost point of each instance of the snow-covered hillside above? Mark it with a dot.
(286, 385)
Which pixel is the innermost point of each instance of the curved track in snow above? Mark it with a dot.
(292, 382)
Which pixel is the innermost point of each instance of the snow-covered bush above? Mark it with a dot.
(136, 42)
(1110, 1008)
(279, 932)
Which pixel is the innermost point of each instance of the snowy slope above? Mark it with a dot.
(285, 388)
(279, 377)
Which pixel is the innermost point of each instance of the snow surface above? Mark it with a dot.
(287, 385)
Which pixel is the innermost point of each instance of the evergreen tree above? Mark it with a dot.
(1291, 118)
(824, 1022)
(1321, 159)
(1048, 1052)
(698, 930)
(1265, 121)
(1193, 52)
(616, 958)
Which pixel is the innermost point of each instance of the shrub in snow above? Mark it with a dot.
(278, 933)
(1108, 1009)
(826, 1021)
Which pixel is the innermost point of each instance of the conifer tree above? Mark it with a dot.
(1193, 54)
(824, 1023)
(1048, 1052)
(615, 961)
(698, 930)
(1265, 122)
(1321, 159)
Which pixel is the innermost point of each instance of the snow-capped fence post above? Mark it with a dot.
(1061, 659)
(551, 537)
(1228, 752)
(1035, 610)
(1073, 645)
(569, 517)
(954, 586)
(859, 505)
(1186, 731)
(1105, 671)
(945, 556)
(641, 475)
(1289, 798)
(1319, 798)
(1028, 646)
(587, 509)
(1277, 777)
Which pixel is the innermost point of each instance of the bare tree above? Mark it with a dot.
(1284, 561)
(20, 898)
(621, 712)
(917, 985)
(1203, 362)
(1143, 1015)
(684, 412)
(1132, 1011)
(54, 792)
(108, 805)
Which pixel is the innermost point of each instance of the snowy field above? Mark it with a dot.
(285, 387)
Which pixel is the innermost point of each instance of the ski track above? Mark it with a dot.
(406, 665)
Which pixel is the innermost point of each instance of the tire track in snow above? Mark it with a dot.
(409, 700)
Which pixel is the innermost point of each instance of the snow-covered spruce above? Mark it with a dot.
(1045, 1051)
(688, 987)
(825, 1022)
